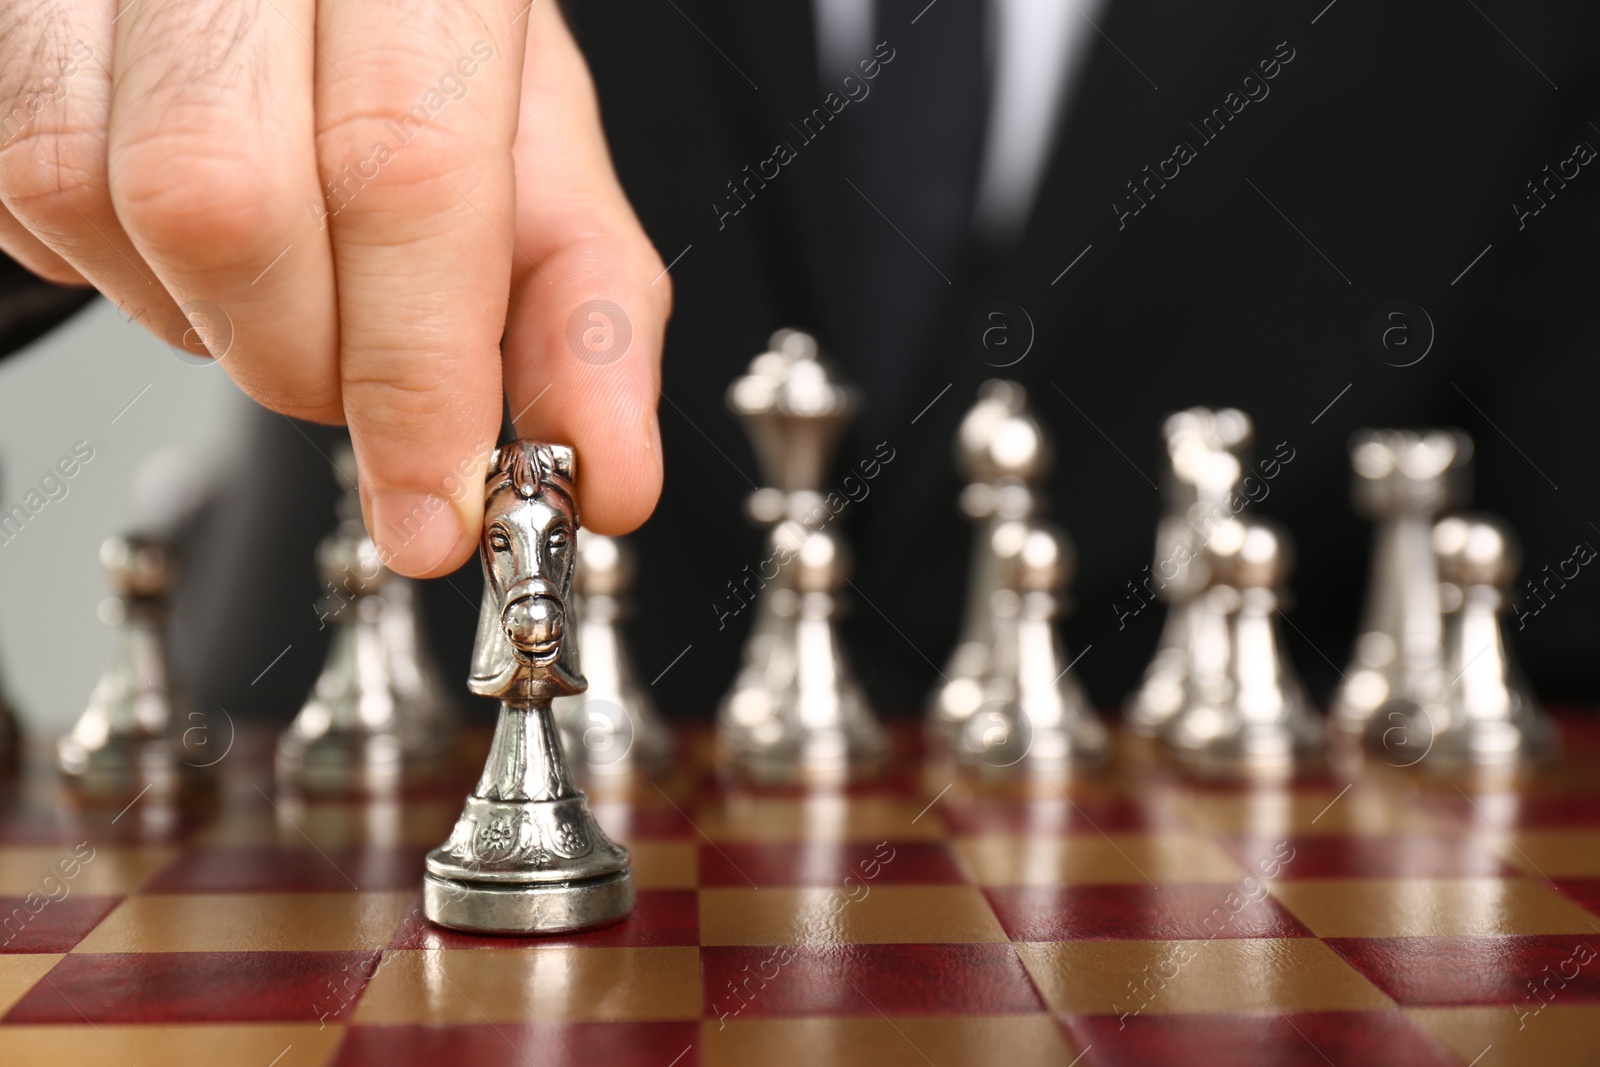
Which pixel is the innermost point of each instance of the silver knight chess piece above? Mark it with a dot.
(376, 721)
(1003, 455)
(131, 736)
(795, 411)
(1032, 714)
(1244, 707)
(1206, 453)
(526, 856)
(1404, 479)
(1487, 714)
(612, 728)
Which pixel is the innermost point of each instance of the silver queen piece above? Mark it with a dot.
(526, 855)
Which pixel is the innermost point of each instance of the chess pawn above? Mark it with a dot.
(1033, 715)
(1245, 706)
(822, 729)
(795, 411)
(1403, 480)
(1489, 714)
(362, 730)
(612, 728)
(131, 736)
(1206, 453)
(526, 855)
(1003, 454)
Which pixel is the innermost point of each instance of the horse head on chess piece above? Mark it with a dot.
(524, 652)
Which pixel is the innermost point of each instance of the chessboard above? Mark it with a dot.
(1130, 915)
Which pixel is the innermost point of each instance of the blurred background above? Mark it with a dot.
(100, 380)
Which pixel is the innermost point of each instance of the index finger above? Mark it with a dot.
(415, 125)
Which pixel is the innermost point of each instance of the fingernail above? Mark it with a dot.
(414, 532)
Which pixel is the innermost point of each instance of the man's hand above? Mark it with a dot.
(348, 204)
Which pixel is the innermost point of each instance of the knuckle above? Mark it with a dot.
(51, 179)
(366, 165)
(180, 192)
(401, 388)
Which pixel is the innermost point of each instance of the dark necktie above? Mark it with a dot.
(912, 157)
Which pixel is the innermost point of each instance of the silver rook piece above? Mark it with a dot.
(1403, 480)
(526, 856)
(130, 737)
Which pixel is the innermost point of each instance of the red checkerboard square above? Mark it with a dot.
(179, 987)
(1136, 913)
(1483, 969)
(56, 927)
(954, 979)
(1586, 891)
(626, 1044)
(1396, 856)
(1265, 1039)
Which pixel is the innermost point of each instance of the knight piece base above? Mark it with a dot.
(551, 908)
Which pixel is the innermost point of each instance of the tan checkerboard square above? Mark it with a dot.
(550, 983)
(19, 972)
(1548, 853)
(1241, 974)
(899, 915)
(171, 1046)
(1561, 1035)
(896, 1041)
(1277, 814)
(241, 922)
(824, 817)
(108, 871)
(1092, 859)
(665, 864)
(1430, 907)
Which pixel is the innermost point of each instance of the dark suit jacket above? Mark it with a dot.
(1243, 191)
